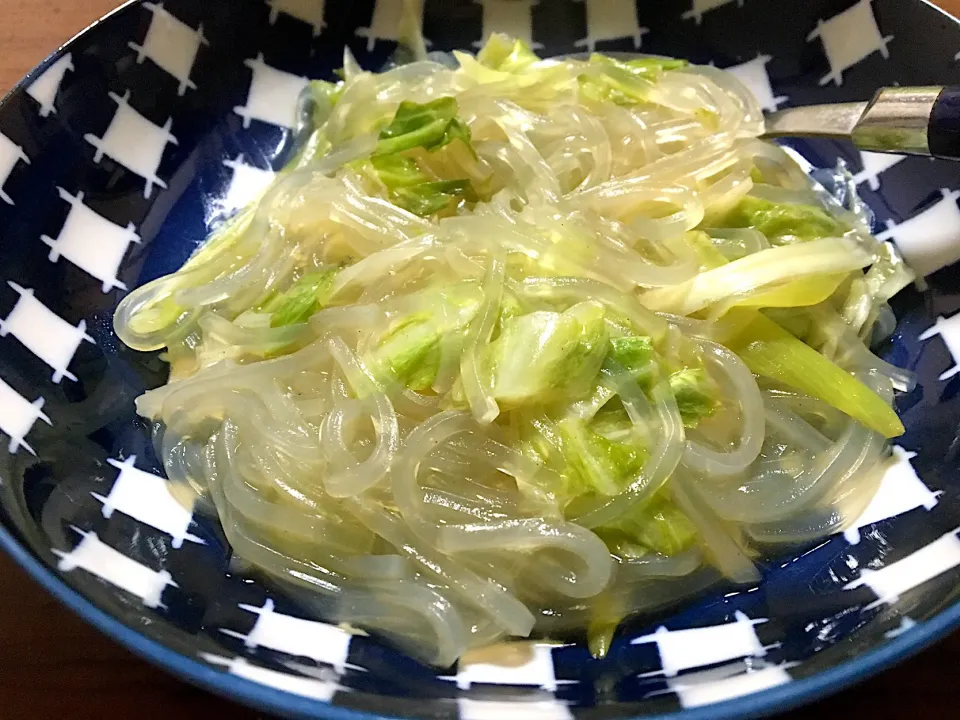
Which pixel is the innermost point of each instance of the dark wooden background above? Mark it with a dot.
(52, 665)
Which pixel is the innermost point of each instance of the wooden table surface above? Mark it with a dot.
(53, 665)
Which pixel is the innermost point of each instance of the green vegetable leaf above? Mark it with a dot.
(457, 130)
(525, 358)
(431, 126)
(632, 355)
(539, 356)
(501, 52)
(430, 198)
(599, 456)
(303, 299)
(610, 86)
(695, 391)
(696, 395)
(398, 171)
(659, 526)
(650, 67)
(784, 223)
(772, 352)
(411, 189)
(581, 366)
(410, 352)
(613, 422)
(600, 464)
(623, 83)
(635, 355)
(540, 439)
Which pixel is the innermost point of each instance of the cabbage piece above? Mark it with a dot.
(543, 355)
(613, 422)
(410, 352)
(609, 83)
(889, 274)
(430, 125)
(636, 355)
(772, 352)
(537, 87)
(695, 391)
(539, 439)
(599, 456)
(432, 197)
(411, 188)
(458, 160)
(658, 525)
(503, 53)
(302, 299)
(398, 171)
(784, 223)
(696, 394)
(597, 463)
(623, 83)
(649, 67)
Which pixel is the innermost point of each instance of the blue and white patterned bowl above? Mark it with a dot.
(123, 148)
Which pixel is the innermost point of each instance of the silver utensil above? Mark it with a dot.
(909, 120)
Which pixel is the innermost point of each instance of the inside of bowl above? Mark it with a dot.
(121, 151)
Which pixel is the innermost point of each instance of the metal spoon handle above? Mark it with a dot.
(909, 120)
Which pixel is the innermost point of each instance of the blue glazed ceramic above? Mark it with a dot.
(121, 151)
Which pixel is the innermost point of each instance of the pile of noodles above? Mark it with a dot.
(389, 449)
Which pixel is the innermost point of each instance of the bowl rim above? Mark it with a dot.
(266, 698)
(263, 697)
